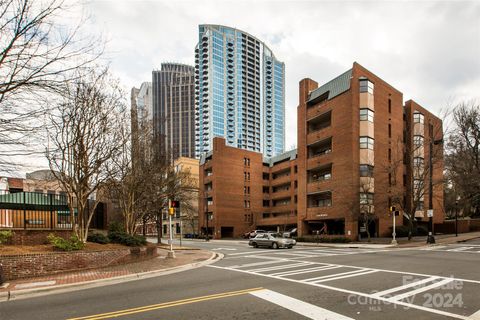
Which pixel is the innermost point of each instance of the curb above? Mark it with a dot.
(64, 288)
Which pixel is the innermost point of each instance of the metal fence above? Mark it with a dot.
(34, 210)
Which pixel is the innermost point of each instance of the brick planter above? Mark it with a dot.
(41, 264)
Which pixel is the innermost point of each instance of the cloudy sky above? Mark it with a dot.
(429, 50)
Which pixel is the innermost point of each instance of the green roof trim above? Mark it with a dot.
(334, 87)
(31, 199)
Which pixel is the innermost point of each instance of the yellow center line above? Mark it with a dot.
(165, 305)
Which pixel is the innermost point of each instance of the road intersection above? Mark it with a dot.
(438, 282)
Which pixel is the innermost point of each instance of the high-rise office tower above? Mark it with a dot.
(239, 91)
(173, 109)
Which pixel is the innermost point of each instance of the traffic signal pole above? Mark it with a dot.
(171, 212)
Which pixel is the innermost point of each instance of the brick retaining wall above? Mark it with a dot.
(33, 237)
(41, 264)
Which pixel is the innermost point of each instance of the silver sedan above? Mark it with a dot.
(271, 241)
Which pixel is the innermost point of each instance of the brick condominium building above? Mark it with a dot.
(360, 151)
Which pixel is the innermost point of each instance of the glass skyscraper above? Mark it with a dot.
(173, 109)
(239, 92)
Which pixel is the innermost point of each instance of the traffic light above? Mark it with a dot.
(171, 211)
(174, 204)
(392, 208)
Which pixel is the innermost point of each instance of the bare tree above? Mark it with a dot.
(416, 183)
(463, 155)
(37, 54)
(366, 204)
(85, 140)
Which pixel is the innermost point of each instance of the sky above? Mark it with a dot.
(429, 50)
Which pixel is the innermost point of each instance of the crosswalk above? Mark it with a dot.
(308, 253)
(332, 276)
(454, 248)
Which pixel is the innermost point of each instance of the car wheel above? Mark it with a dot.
(254, 245)
(290, 247)
(274, 245)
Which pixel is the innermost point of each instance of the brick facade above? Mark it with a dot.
(41, 264)
(354, 137)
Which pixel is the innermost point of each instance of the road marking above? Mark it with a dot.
(256, 263)
(420, 290)
(298, 306)
(125, 312)
(333, 275)
(475, 316)
(227, 249)
(409, 305)
(346, 276)
(248, 252)
(409, 285)
(286, 266)
(460, 249)
(433, 248)
(302, 271)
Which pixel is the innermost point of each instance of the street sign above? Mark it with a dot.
(430, 213)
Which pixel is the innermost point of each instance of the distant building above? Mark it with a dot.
(186, 219)
(173, 109)
(240, 92)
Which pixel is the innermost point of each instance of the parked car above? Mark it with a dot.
(254, 233)
(271, 241)
(290, 233)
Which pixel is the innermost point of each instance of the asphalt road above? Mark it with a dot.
(440, 282)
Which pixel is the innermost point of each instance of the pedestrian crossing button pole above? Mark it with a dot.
(171, 211)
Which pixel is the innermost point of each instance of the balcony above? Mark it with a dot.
(282, 194)
(319, 148)
(317, 109)
(281, 203)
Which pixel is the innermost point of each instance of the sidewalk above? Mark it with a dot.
(185, 259)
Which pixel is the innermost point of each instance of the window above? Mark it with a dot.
(390, 154)
(366, 115)
(389, 130)
(418, 117)
(389, 105)
(366, 86)
(266, 203)
(417, 185)
(418, 162)
(366, 143)
(366, 170)
(366, 198)
(418, 141)
(420, 205)
(248, 176)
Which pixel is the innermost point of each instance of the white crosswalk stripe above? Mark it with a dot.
(453, 248)
(460, 249)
